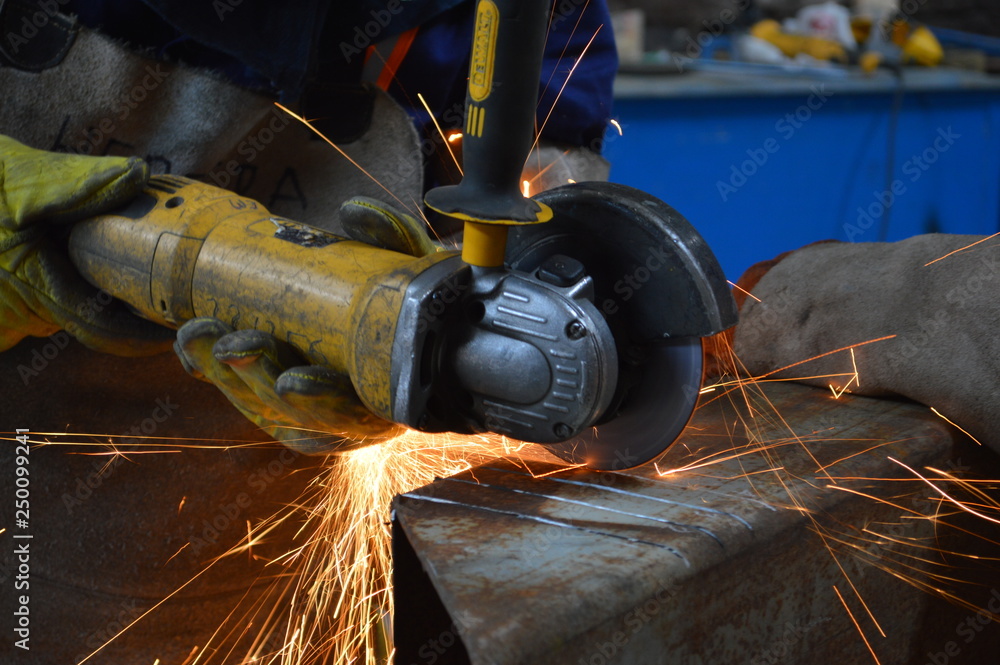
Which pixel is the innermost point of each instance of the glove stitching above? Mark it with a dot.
(312, 378)
(60, 316)
(21, 237)
(241, 354)
(394, 226)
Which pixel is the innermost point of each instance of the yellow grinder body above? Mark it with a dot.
(184, 249)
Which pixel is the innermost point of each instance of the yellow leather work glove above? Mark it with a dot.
(309, 408)
(41, 195)
(376, 223)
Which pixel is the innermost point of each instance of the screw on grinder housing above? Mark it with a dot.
(531, 357)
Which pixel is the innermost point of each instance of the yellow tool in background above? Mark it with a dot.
(582, 335)
(792, 45)
(895, 42)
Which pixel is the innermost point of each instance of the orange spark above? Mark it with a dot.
(880, 444)
(569, 41)
(182, 548)
(117, 453)
(555, 471)
(970, 486)
(961, 249)
(740, 288)
(823, 355)
(149, 611)
(856, 625)
(854, 379)
(722, 456)
(957, 504)
(341, 151)
(448, 140)
(877, 499)
(341, 598)
(205, 444)
(952, 422)
(187, 661)
(563, 87)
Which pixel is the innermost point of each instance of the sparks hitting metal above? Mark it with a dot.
(581, 331)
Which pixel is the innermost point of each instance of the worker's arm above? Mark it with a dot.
(921, 316)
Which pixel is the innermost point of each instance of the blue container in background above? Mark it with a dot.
(763, 164)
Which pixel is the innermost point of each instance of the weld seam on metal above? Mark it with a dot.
(678, 527)
(628, 493)
(547, 521)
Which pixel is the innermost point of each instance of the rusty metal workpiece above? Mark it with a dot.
(718, 564)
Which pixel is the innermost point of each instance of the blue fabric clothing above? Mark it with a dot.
(578, 109)
(275, 46)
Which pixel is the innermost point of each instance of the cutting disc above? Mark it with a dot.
(651, 414)
(660, 290)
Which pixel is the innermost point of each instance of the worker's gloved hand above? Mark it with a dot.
(376, 223)
(41, 195)
(944, 316)
(308, 408)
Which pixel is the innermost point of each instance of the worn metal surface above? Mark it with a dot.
(718, 564)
